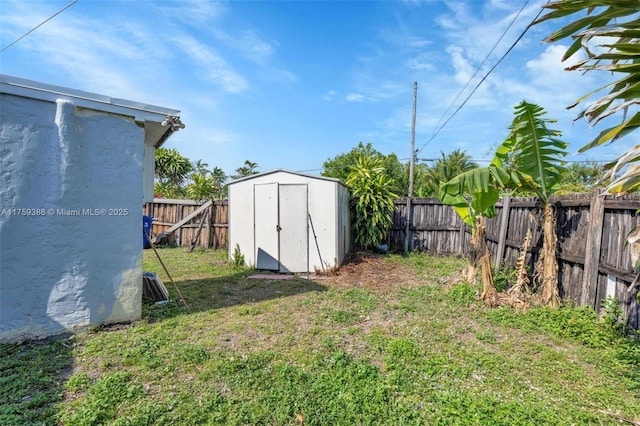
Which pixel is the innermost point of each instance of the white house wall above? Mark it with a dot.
(323, 197)
(74, 257)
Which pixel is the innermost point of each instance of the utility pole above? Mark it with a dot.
(407, 236)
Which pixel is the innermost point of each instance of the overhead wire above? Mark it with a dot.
(481, 81)
(486, 58)
(39, 25)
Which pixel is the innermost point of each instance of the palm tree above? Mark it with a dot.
(609, 37)
(219, 178)
(248, 169)
(443, 170)
(202, 188)
(200, 166)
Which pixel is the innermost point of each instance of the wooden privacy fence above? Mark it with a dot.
(180, 222)
(594, 259)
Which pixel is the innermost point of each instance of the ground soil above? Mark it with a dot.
(369, 270)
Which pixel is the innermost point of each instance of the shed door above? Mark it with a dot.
(280, 227)
(265, 222)
(294, 231)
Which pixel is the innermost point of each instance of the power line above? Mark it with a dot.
(39, 25)
(480, 82)
(504, 33)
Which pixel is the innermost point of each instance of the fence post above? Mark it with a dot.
(592, 250)
(504, 226)
(210, 219)
(408, 240)
(462, 231)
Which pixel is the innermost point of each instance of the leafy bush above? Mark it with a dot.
(371, 202)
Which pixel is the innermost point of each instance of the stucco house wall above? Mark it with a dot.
(71, 197)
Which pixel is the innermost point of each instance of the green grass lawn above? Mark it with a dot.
(311, 352)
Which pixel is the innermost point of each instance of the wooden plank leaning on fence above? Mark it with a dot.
(178, 225)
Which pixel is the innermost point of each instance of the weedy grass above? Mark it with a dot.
(305, 352)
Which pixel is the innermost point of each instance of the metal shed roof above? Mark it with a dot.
(159, 122)
(242, 179)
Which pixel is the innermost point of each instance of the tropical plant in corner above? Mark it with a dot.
(371, 201)
(473, 194)
(609, 36)
(529, 159)
(532, 158)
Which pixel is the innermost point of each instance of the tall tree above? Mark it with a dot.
(219, 180)
(171, 167)
(581, 177)
(443, 170)
(339, 166)
(249, 168)
(200, 166)
(609, 36)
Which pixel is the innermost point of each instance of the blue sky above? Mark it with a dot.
(290, 84)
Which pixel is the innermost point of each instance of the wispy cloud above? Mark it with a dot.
(355, 97)
(213, 67)
(193, 12)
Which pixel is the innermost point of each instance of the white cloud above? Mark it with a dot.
(355, 97)
(462, 67)
(214, 67)
(193, 12)
(420, 62)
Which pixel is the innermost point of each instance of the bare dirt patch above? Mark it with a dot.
(372, 271)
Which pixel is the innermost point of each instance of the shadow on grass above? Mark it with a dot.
(229, 290)
(32, 377)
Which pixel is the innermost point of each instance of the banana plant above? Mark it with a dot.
(532, 157)
(473, 195)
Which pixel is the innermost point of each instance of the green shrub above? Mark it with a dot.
(371, 202)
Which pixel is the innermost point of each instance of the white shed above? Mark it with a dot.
(289, 222)
(75, 168)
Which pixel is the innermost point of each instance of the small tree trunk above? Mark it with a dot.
(547, 265)
(518, 296)
(475, 254)
(489, 294)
